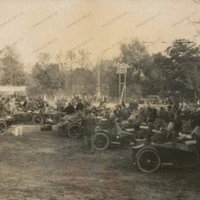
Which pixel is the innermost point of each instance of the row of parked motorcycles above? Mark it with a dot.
(36, 117)
(151, 148)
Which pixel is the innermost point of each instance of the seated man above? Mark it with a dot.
(69, 109)
(67, 119)
(79, 106)
(5, 110)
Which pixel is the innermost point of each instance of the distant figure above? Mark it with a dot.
(5, 108)
(32, 104)
(178, 124)
(58, 105)
(41, 103)
(170, 114)
(62, 104)
(123, 105)
(133, 105)
(79, 105)
(1, 103)
(12, 105)
(25, 103)
(69, 109)
(103, 101)
(163, 115)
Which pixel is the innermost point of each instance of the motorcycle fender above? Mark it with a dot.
(72, 124)
(102, 131)
(106, 132)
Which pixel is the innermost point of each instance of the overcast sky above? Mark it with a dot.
(98, 26)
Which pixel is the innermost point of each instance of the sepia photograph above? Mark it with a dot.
(99, 99)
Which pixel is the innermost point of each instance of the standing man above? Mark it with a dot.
(89, 124)
(58, 105)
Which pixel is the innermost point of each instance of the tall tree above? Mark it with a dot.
(44, 58)
(81, 80)
(180, 67)
(78, 59)
(49, 77)
(137, 57)
(12, 70)
(109, 79)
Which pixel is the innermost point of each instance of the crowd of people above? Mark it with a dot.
(75, 110)
(13, 103)
(176, 118)
(166, 116)
(76, 107)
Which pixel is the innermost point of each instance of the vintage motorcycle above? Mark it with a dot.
(72, 129)
(52, 117)
(150, 157)
(71, 126)
(5, 122)
(106, 137)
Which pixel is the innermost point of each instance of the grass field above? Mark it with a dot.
(42, 166)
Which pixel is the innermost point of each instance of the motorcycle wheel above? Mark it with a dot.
(101, 141)
(74, 131)
(38, 120)
(3, 128)
(148, 160)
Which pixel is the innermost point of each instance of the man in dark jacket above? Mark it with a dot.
(89, 124)
(69, 109)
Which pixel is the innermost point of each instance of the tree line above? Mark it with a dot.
(164, 73)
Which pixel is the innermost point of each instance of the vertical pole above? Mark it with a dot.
(99, 83)
(71, 82)
(119, 86)
(125, 87)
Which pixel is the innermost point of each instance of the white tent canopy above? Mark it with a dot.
(12, 89)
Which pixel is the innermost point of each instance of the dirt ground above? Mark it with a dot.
(41, 165)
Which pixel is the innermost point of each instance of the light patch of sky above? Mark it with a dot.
(156, 23)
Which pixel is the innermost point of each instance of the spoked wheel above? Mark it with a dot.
(74, 131)
(148, 160)
(101, 141)
(38, 120)
(3, 128)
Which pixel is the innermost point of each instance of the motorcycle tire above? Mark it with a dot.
(101, 141)
(148, 160)
(3, 128)
(74, 131)
(38, 120)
